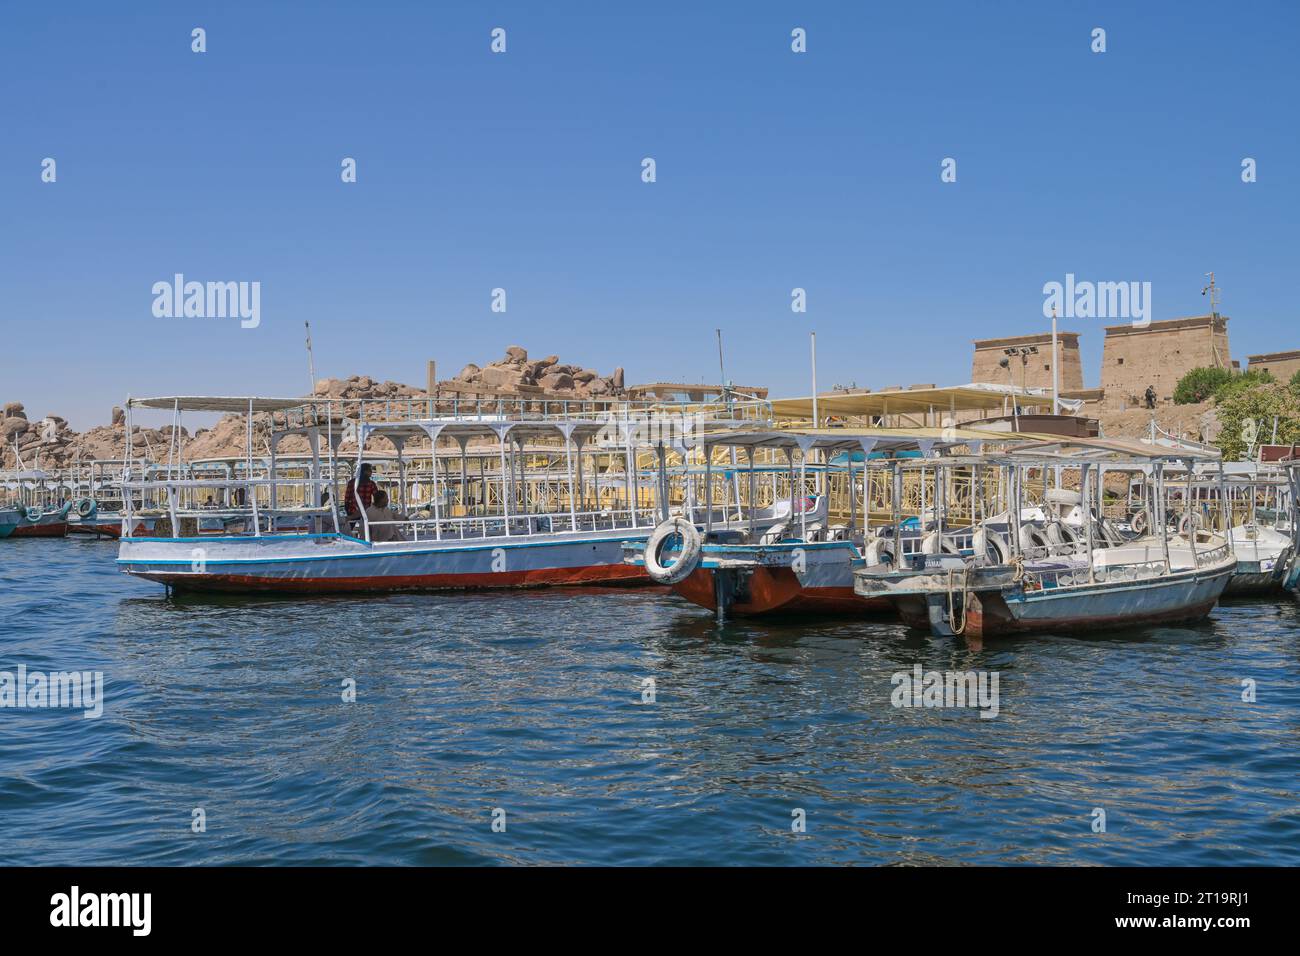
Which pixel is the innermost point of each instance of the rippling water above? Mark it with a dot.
(531, 702)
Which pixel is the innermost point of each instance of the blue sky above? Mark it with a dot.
(522, 171)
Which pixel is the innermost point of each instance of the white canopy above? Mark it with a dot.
(197, 403)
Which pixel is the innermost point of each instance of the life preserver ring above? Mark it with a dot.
(1139, 521)
(1188, 523)
(85, 507)
(31, 513)
(1110, 532)
(1059, 533)
(687, 560)
(990, 546)
(878, 551)
(1031, 538)
(1062, 496)
(934, 543)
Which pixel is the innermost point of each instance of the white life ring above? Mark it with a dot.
(989, 546)
(1188, 523)
(1031, 538)
(1139, 521)
(687, 561)
(878, 551)
(1058, 532)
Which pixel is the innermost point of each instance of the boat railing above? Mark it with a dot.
(1214, 555)
(538, 408)
(1049, 578)
(471, 527)
(1064, 549)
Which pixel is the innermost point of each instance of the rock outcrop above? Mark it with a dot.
(515, 372)
(50, 444)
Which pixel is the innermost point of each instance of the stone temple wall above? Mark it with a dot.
(1037, 372)
(1281, 365)
(1159, 355)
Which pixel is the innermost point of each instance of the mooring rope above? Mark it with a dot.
(965, 602)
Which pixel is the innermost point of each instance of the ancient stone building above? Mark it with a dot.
(1281, 365)
(1036, 372)
(1159, 354)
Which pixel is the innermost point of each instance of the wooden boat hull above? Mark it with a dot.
(1261, 565)
(110, 526)
(47, 526)
(1255, 577)
(1291, 577)
(325, 563)
(1180, 598)
(815, 579)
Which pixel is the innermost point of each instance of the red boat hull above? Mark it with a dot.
(614, 575)
(778, 591)
(55, 530)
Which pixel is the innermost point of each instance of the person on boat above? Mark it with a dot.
(360, 487)
(377, 514)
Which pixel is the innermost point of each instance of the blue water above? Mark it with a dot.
(531, 702)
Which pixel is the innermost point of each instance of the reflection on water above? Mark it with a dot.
(532, 702)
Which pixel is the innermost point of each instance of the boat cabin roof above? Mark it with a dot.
(957, 398)
(581, 430)
(227, 403)
(1128, 450)
(852, 439)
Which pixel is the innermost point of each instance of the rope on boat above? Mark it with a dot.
(965, 601)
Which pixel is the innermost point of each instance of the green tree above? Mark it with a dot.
(1199, 384)
(1244, 381)
(1247, 412)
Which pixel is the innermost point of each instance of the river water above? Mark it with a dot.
(765, 743)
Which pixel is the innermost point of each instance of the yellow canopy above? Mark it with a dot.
(919, 401)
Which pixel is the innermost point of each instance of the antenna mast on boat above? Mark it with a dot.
(1056, 379)
(1213, 291)
(722, 371)
(814, 377)
(311, 362)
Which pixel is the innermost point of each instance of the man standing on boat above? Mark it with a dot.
(360, 487)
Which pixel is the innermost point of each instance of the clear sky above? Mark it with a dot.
(522, 171)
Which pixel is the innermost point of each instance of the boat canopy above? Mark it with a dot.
(852, 439)
(957, 398)
(464, 430)
(1107, 449)
(199, 403)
